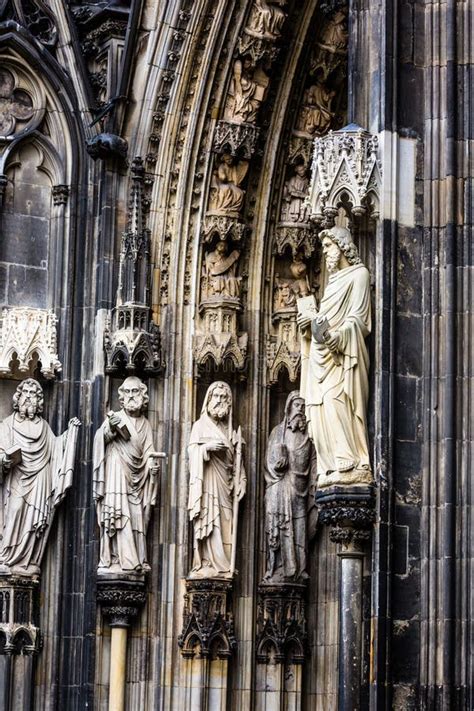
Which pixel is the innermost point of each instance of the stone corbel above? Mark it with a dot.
(282, 633)
(208, 623)
(26, 334)
(132, 341)
(346, 171)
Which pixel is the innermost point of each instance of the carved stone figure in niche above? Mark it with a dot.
(290, 471)
(287, 291)
(226, 197)
(335, 364)
(334, 35)
(15, 104)
(296, 188)
(266, 19)
(36, 468)
(125, 482)
(219, 274)
(217, 483)
(246, 92)
(316, 115)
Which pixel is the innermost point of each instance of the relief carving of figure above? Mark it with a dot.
(335, 35)
(246, 92)
(219, 273)
(287, 291)
(226, 197)
(125, 482)
(217, 483)
(294, 209)
(316, 115)
(266, 20)
(289, 476)
(37, 469)
(335, 365)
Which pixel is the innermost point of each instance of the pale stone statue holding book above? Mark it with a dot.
(36, 471)
(335, 364)
(125, 485)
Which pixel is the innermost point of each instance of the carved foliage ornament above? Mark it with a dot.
(29, 333)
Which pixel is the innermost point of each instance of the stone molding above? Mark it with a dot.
(208, 623)
(282, 630)
(29, 332)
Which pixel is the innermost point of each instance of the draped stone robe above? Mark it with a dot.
(210, 500)
(291, 462)
(335, 386)
(33, 489)
(125, 491)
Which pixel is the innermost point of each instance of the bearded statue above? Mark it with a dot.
(217, 484)
(125, 483)
(36, 471)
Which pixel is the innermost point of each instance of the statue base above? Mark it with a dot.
(121, 598)
(282, 629)
(208, 622)
(348, 510)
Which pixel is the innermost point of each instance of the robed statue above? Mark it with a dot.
(36, 471)
(217, 483)
(335, 365)
(125, 484)
(290, 478)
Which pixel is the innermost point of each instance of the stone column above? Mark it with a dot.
(207, 641)
(121, 600)
(349, 511)
(19, 641)
(281, 645)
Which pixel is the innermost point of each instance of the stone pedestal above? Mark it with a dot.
(349, 511)
(281, 645)
(20, 641)
(121, 600)
(207, 641)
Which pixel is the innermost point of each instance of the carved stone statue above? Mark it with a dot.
(125, 482)
(296, 188)
(219, 274)
(226, 197)
(335, 35)
(316, 115)
(217, 483)
(266, 20)
(290, 471)
(246, 92)
(287, 291)
(37, 469)
(335, 364)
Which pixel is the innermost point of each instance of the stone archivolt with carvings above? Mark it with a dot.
(247, 90)
(26, 337)
(262, 31)
(346, 169)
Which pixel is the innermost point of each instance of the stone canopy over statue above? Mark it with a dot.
(290, 475)
(217, 483)
(335, 365)
(125, 485)
(36, 471)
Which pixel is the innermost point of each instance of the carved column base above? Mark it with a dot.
(282, 634)
(20, 640)
(349, 511)
(121, 600)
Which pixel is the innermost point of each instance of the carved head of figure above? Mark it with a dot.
(28, 399)
(295, 418)
(218, 401)
(133, 396)
(338, 248)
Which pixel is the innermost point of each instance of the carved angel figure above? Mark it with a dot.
(294, 209)
(246, 92)
(37, 469)
(219, 273)
(266, 20)
(226, 197)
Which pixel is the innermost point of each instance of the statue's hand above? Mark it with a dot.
(74, 422)
(114, 421)
(216, 446)
(303, 321)
(241, 489)
(333, 341)
(5, 462)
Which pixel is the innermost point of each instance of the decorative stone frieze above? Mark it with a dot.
(208, 622)
(346, 170)
(238, 139)
(281, 623)
(28, 334)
